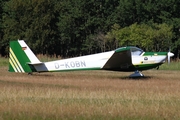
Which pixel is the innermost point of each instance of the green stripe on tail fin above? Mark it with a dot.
(19, 57)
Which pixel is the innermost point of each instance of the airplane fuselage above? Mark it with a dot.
(98, 62)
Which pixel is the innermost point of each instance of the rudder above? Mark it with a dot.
(19, 57)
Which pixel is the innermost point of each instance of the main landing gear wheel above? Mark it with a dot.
(136, 74)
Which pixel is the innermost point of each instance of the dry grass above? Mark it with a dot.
(89, 95)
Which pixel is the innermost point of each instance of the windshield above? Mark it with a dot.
(136, 51)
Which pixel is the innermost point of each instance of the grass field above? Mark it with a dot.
(90, 95)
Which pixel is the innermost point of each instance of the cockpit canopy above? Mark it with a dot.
(136, 51)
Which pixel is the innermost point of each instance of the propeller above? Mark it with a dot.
(169, 55)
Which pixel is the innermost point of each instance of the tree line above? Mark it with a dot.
(70, 28)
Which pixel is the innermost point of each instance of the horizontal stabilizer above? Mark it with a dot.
(38, 63)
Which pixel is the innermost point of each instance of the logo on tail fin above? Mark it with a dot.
(24, 48)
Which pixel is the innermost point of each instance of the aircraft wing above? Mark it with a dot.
(120, 60)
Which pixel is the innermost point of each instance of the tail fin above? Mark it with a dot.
(20, 56)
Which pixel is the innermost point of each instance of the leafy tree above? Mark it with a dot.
(82, 25)
(162, 37)
(3, 44)
(78, 27)
(156, 37)
(176, 38)
(33, 21)
(1, 13)
(70, 26)
(111, 41)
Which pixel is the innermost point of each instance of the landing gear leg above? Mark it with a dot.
(136, 74)
(157, 68)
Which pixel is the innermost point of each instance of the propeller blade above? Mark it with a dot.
(170, 54)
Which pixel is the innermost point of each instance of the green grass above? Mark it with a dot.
(174, 65)
(3, 61)
(89, 96)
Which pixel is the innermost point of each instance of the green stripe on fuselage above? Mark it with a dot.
(146, 66)
(95, 68)
(154, 53)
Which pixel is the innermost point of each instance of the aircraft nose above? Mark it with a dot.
(170, 54)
